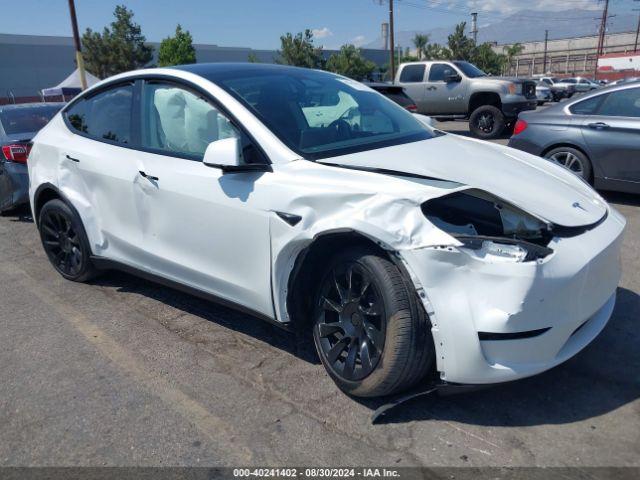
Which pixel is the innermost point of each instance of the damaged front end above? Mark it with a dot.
(512, 295)
(490, 228)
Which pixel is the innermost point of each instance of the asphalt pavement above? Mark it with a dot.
(123, 372)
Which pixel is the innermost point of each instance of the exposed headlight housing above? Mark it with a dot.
(489, 228)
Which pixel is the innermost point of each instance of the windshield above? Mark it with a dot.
(26, 119)
(320, 115)
(470, 70)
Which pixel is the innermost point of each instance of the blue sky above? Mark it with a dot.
(259, 23)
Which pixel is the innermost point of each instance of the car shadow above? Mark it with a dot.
(19, 214)
(623, 198)
(297, 344)
(603, 377)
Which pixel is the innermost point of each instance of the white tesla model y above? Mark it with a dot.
(314, 202)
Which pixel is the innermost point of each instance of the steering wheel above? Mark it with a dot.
(342, 129)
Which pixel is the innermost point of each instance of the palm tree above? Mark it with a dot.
(420, 41)
(512, 51)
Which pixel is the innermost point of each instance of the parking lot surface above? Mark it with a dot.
(123, 372)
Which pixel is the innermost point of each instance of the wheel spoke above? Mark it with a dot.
(374, 335)
(326, 329)
(341, 291)
(330, 305)
(50, 231)
(349, 276)
(350, 362)
(365, 355)
(337, 349)
(371, 309)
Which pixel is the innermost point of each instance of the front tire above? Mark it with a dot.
(487, 122)
(65, 241)
(371, 332)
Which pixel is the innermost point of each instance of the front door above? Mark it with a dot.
(204, 229)
(442, 96)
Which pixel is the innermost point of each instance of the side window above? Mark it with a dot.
(586, 107)
(178, 121)
(412, 73)
(547, 81)
(105, 116)
(623, 103)
(439, 71)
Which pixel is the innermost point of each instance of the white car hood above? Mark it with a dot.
(537, 186)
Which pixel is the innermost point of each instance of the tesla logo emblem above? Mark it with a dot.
(577, 205)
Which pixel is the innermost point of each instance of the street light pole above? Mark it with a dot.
(544, 58)
(76, 41)
(392, 43)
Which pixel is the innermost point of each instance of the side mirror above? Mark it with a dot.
(223, 153)
(226, 155)
(452, 77)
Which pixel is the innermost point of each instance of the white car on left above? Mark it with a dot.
(316, 203)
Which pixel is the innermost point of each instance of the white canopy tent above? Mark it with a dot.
(70, 86)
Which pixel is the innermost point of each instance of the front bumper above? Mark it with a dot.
(18, 185)
(512, 108)
(571, 293)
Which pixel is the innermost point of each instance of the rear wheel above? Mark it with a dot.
(370, 331)
(487, 122)
(65, 241)
(573, 160)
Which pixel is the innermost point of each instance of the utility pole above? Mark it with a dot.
(76, 41)
(392, 43)
(544, 57)
(474, 26)
(635, 45)
(601, 37)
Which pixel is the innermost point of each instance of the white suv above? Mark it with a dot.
(409, 253)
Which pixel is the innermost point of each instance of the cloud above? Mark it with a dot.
(359, 40)
(513, 6)
(323, 32)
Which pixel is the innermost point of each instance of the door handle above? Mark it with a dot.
(598, 125)
(148, 177)
(73, 159)
(432, 88)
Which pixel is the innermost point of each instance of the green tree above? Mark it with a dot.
(485, 58)
(461, 46)
(420, 41)
(298, 50)
(350, 63)
(177, 50)
(512, 51)
(435, 51)
(117, 49)
(252, 58)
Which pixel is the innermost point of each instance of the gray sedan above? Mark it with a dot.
(18, 125)
(597, 136)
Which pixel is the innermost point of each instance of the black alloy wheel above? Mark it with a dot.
(64, 241)
(350, 328)
(370, 330)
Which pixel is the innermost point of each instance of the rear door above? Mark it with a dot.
(98, 164)
(442, 96)
(613, 135)
(412, 78)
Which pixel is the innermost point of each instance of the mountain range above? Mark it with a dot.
(525, 26)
